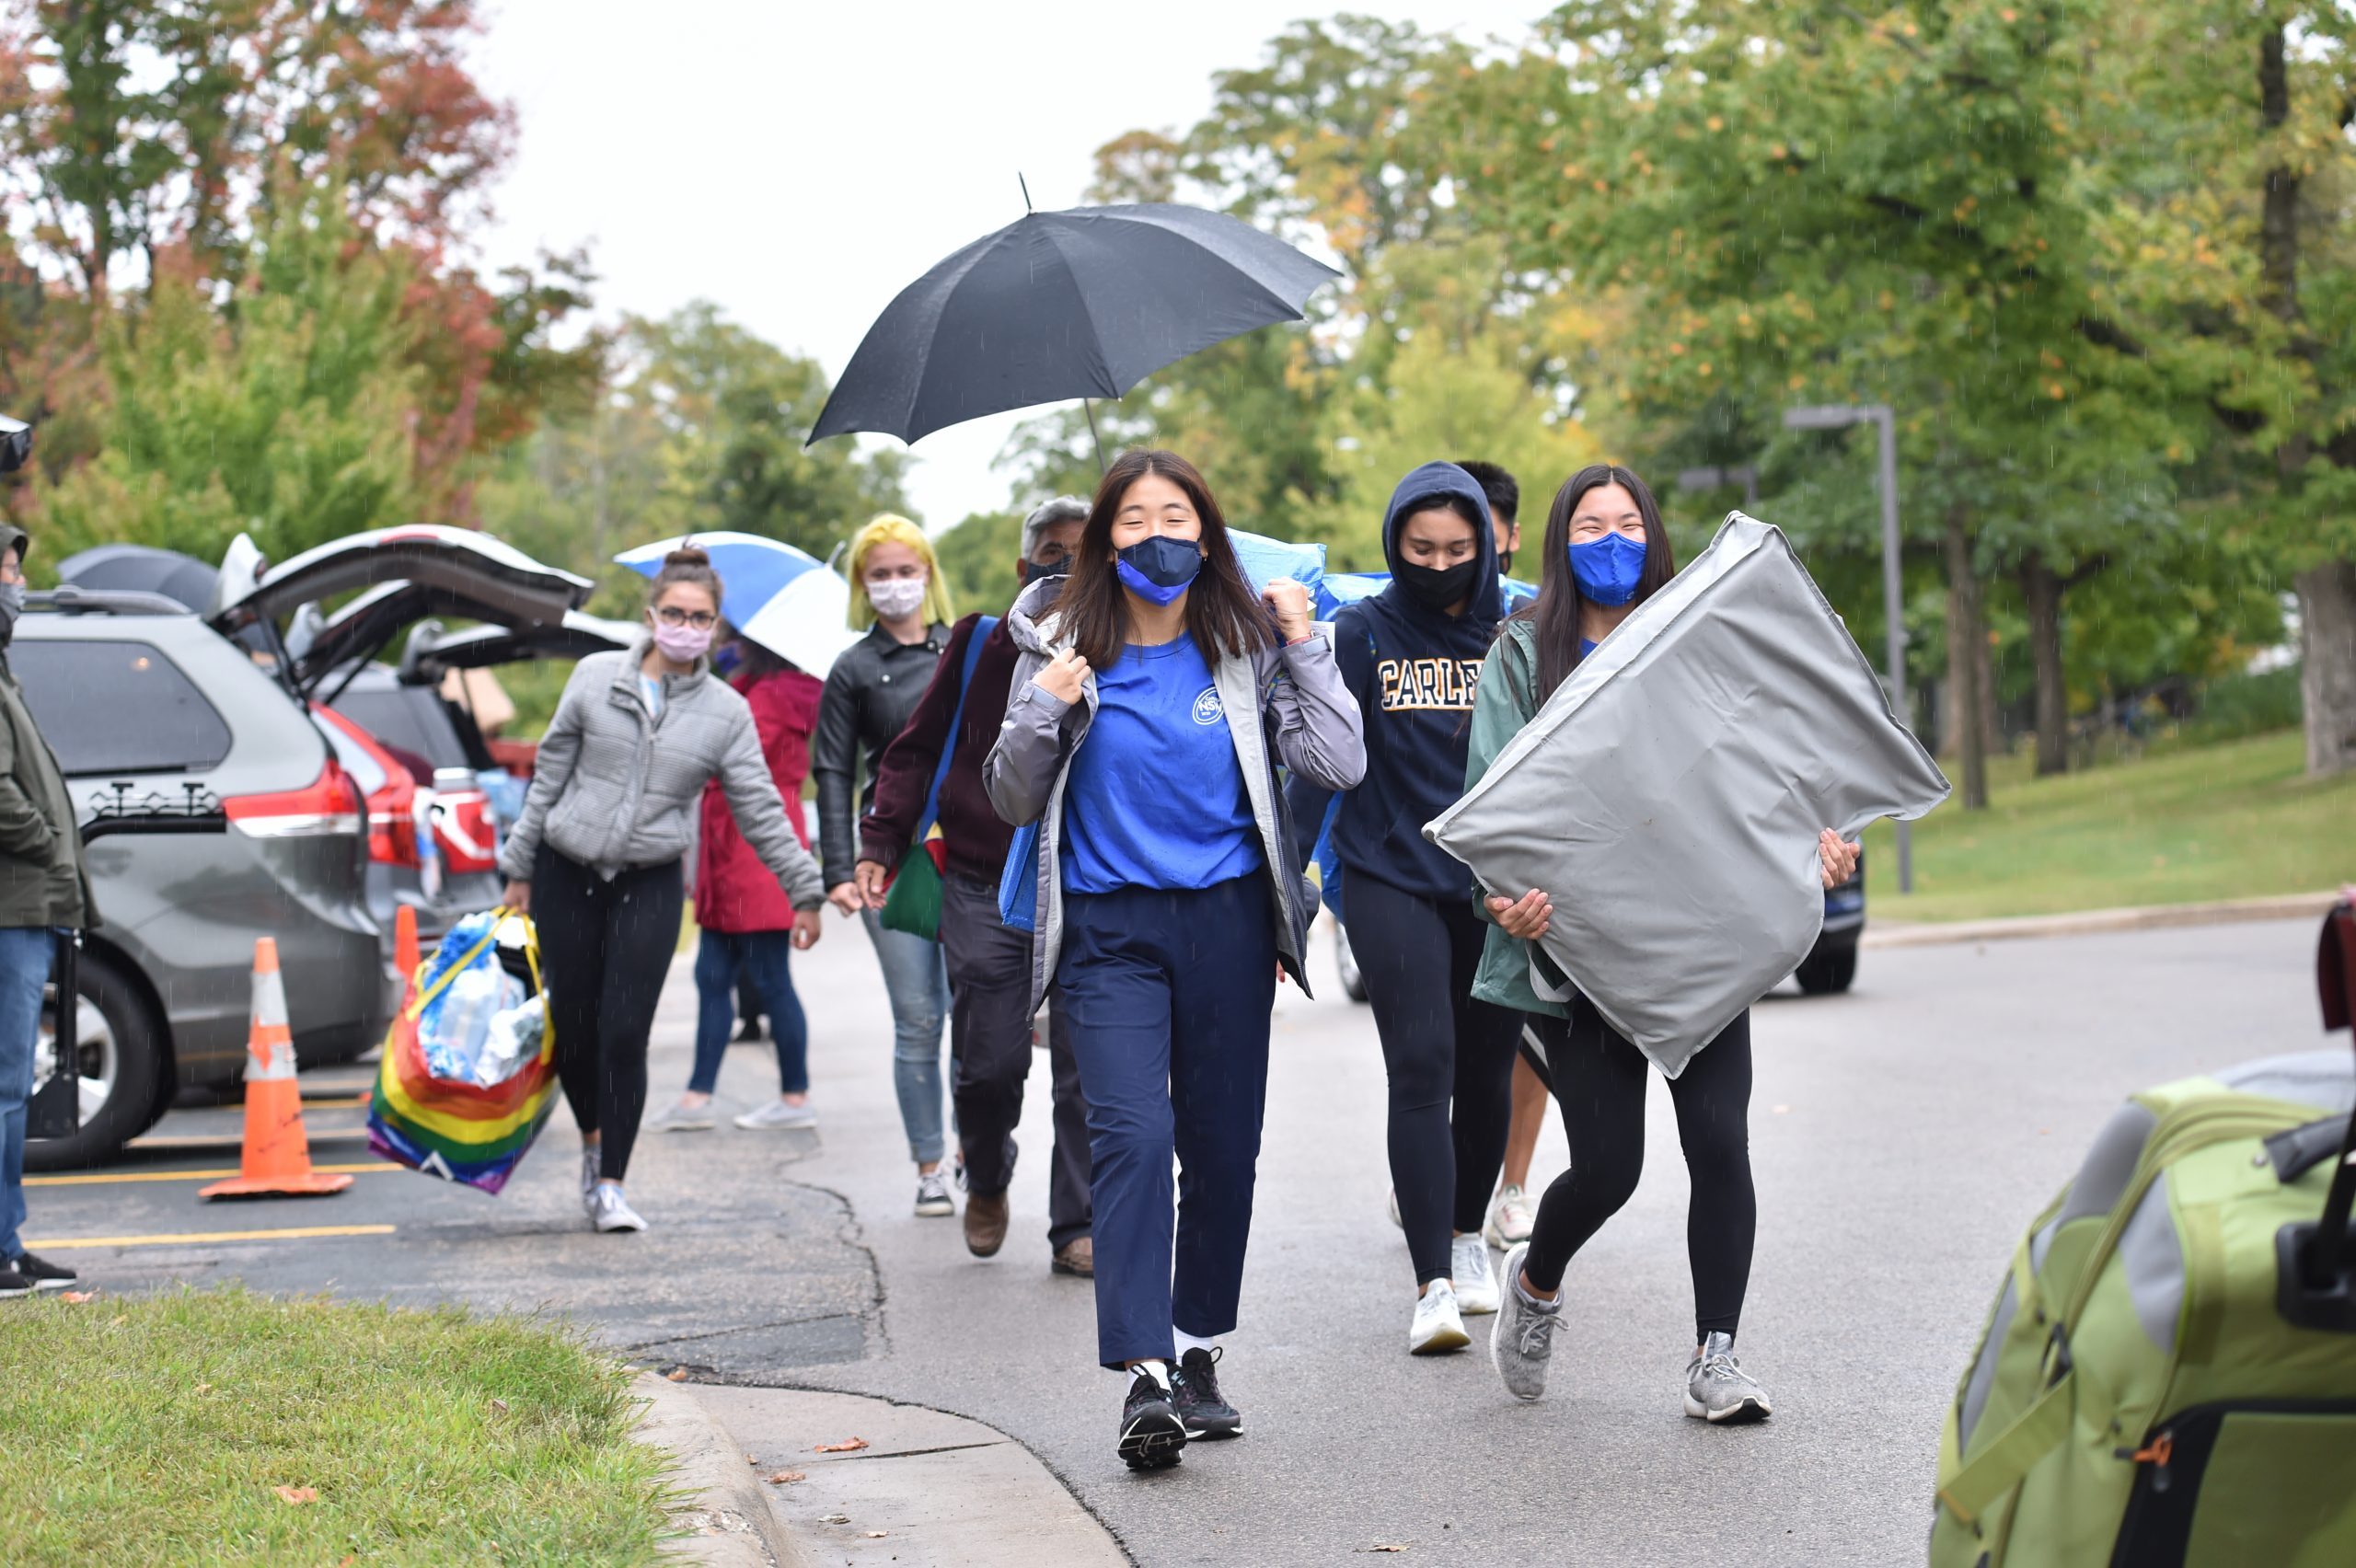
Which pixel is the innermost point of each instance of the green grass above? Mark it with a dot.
(2238, 820)
(156, 1430)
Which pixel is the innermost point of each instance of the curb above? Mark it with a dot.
(2093, 922)
(727, 1519)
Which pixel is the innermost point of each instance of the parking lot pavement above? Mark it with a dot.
(748, 1269)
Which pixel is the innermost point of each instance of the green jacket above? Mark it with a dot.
(44, 880)
(1505, 700)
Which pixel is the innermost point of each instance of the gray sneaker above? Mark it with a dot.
(1523, 1342)
(610, 1211)
(589, 1179)
(778, 1116)
(1717, 1388)
(933, 1201)
(682, 1117)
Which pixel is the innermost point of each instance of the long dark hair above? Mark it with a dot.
(1555, 611)
(1223, 616)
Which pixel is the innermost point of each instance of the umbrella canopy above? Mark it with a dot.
(1078, 304)
(141, 569)
(16, 443)
(787, 600)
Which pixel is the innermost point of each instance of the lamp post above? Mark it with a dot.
(1841, 416)
(1744, 475)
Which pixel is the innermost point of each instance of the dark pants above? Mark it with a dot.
(604, 949)
(727, 960)
(1450, 1059)
(990, 1034)
(1599, 1080)
(1169, 996)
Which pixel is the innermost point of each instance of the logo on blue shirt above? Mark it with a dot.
(1207, 707)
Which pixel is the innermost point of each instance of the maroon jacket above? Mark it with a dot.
(976, 839)
(733, 890)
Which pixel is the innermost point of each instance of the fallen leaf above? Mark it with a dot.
(784, 1478)
(676, 1374)
(1385, 1546)
(876, 1535)
(499, 1407)
(834, 1518)
(848, 1446)
(297, 1493)
(76, 1298)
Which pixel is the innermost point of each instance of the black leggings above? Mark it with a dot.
(1598, 1079)
(1418, 956)
(605, 949)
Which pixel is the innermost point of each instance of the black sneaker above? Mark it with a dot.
(46, 1276)
(1151, 1434)
(1193, 1393)
(14, 1283)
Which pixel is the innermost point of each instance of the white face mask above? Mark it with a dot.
(896, 596)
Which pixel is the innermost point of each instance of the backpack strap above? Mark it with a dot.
(982, 629)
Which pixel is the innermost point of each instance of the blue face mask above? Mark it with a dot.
(1158, 568)
(1607, 570)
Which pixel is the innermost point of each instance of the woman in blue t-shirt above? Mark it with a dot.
(1150, 684)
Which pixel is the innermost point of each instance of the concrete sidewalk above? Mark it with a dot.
(1884, 933)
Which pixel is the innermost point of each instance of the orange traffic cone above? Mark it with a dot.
(277, 1158)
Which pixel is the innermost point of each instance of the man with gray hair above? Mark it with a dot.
(989, 962)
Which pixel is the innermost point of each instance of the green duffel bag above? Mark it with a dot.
(2169, 1377)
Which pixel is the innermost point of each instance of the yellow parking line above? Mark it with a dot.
(96, 1180)
(215, 1140)
(198, 1238)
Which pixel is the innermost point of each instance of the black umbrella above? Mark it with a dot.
(16, 443)
(1078, 304)
(142, 569)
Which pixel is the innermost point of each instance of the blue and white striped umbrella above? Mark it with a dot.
(787, 600)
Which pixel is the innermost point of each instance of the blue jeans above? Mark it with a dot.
(26, 952)
(767, 959)
(1169, 994)
(917, 981)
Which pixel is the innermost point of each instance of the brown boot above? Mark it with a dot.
(1076, 1258)
(985, 1217)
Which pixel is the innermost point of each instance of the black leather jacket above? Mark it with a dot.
(870, 692)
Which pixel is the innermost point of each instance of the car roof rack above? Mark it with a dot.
(67, 600)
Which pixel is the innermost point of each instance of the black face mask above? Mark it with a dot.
(1437, 589)
(1504, 563)
(1033, 573)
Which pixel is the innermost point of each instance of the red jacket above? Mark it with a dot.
(733, 890)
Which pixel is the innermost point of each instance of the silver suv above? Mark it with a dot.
(199, 729)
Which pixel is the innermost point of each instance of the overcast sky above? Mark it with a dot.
(799, 165)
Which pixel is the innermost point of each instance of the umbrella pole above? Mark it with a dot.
(1091, 413)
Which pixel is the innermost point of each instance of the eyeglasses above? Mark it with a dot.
(702, 620)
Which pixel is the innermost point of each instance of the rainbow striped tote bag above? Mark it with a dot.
(454, 1128)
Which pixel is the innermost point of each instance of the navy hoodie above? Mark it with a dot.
(1412, 669)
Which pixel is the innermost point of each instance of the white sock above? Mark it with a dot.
(1187, 1341)
(1157, 1370)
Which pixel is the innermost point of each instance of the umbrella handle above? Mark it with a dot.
(1087, 408)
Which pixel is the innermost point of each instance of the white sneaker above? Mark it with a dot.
(682, 1117)
(933, 1201)
(1510, 1217)
(1438, 1326)
(1394, 1210)
(778, 1116)
(1476, 1285)
(610, 1211)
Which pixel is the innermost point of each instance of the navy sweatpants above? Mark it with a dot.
(1169, 994)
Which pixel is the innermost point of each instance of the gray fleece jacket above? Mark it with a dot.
(1293, 696)
(614, 787)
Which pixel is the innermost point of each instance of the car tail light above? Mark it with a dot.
(327, 806)
(464, 826)
(392, 831)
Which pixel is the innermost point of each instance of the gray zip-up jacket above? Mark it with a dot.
(1293, 696)
(614, 787)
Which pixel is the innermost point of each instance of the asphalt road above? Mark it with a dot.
(1901, 1134)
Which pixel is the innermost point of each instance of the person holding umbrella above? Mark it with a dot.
(595, 857)
(989, 962)
(1164, 914)
(897, 594)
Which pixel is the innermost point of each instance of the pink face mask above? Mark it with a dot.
(682, 644)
